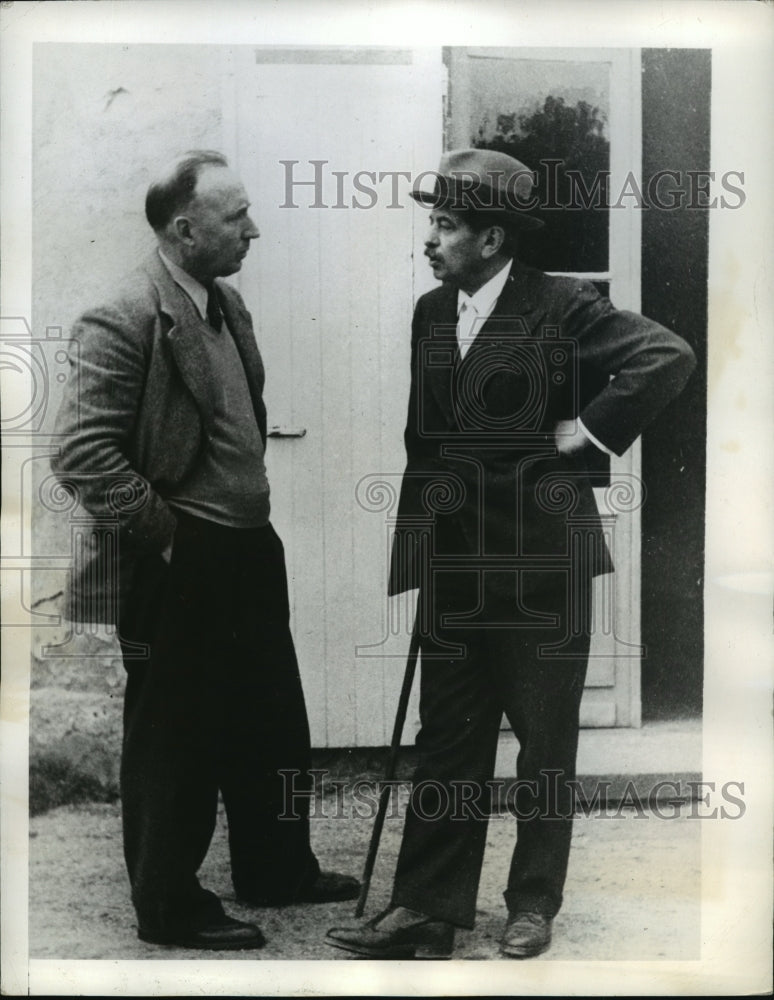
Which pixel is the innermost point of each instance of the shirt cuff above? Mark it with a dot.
(593, 440)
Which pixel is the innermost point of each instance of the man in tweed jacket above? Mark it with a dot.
(164, 430)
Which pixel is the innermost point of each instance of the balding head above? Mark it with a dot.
(173, 191)
(198, 209)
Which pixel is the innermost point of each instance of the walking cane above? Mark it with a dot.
(392, 763)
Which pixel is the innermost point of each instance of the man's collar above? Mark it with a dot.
(193, 288)
(484, 299)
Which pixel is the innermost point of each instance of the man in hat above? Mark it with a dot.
(163, 430)
(516, 377)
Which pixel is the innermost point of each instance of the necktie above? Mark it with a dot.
(214, 312)
(465, 323)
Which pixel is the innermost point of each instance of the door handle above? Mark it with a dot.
(281, 431)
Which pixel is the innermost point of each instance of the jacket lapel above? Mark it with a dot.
(185, 338)
(517, 312)
(241, 328)
(437, 369)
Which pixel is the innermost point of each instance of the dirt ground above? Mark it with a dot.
(633, 890)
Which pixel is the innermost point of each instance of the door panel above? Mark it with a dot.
(331, 290)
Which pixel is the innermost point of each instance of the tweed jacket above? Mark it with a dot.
(137, 413)
(482, 467)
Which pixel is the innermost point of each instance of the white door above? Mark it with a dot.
(331, 288)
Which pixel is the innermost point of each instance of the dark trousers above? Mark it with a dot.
(462, 700)
(216, 707)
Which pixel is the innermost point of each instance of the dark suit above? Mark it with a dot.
(213, 700)
(502, 536)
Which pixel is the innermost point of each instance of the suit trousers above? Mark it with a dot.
(215, 706)
(505, 668)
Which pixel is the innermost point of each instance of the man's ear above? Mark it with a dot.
(181, 227)
(494, 237)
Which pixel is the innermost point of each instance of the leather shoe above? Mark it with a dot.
(328, 887)
(223, 935)
(395, 933)
(526, 934)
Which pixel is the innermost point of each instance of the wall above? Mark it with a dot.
(676, 89)
(104, 117)
(331, 293)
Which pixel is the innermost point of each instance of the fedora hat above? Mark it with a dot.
(483, 180)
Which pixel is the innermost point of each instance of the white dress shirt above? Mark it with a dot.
(474, 310)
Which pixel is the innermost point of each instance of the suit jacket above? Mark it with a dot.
(482, 467)
(136, 415)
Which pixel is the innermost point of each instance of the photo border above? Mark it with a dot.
(736, 857)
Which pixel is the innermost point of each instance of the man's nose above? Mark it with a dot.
(432, 239)
(252, 230)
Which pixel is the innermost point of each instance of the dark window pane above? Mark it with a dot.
(553, 117)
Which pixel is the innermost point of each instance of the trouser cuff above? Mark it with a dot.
(438, 909)
(520, 902)
(190, 914)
